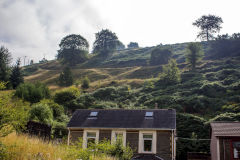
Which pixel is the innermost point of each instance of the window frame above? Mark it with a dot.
(232, 148)
(113, 137)
(147, 139)
(141, 141)
(85, 137)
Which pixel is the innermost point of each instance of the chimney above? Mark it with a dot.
(156, 105)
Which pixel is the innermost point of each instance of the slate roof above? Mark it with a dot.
(120, 118)
(225, 128)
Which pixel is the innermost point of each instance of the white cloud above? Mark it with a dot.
(35, 27)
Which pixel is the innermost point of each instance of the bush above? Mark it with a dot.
(104, 105)
(57, 110)
(3, 151)
(32, 92)
(212, 90)
(85, 83)
(13, 114)
(160, 56)
(171, 73)
(84, 101)
(226, 117)
(41, 113)
(66, 97)
(113, 93)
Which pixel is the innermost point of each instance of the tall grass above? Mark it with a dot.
(23, 147)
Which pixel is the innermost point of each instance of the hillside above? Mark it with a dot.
(128, 80)
(127, 66)
(197, 93)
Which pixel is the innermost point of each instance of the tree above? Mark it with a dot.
(194, 54)
(16, 76)
(106, 42)
(171, 73)
(160, 56)
(85, 83)
(5, 60)
(73, 49)
(120, 46)
(66, 77)
(133, 45)
(209, 25)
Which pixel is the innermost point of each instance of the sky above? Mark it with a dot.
(34, 28)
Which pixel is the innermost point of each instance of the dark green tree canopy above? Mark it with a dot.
(171, 73)
(73, 49)
(16, 76)
(160, 56)
(225, 45)
(66, 77)
(74, 41)
(5, 60)
(85, 83)
(194, 54)
(209, 24)
(133, 45)
(106, 41)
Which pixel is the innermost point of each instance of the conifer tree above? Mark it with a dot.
(66, 77)
(16, 76)
(194, 54)
(85, 83)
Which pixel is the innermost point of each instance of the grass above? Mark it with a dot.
(23, 147)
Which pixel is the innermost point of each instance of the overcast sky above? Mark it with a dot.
(34, 28)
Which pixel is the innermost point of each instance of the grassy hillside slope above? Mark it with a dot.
(128, 65)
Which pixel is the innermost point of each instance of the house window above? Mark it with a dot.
(236, 149)
(119, 134)
(91, 138)
(147, 142)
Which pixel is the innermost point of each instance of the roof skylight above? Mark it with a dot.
(148, 114)
(93, 114)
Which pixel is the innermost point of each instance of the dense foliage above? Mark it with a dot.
(160, 55)
(194, 54)
(66, 97)
(133, 45)
(32, 92)
(85, 83)
(13, 114)
(106, 41)
(5, 59)
(171, 73)
(225, 45)
(73, 49)
(66, 77)
(16, 76)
